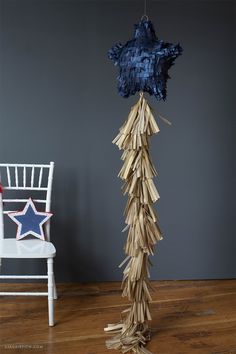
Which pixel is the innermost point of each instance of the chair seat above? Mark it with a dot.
(11, 248)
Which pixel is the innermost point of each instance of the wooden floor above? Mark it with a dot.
(189, 317)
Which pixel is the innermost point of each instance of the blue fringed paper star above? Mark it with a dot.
(30, 221)
(144, 62)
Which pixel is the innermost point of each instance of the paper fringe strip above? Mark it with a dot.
(137, 172)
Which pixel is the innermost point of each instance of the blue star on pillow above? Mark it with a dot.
(30, 221)
(144, 62)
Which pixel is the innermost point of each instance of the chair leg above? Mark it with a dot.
(54, 289)
(50, 292)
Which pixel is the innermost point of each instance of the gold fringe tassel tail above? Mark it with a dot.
(137, 172)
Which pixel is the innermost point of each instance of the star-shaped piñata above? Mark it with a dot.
(30, 221)
(144, 62)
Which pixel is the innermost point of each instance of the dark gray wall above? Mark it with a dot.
(59, 102)
(234, 73)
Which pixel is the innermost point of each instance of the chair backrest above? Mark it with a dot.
(25, 177)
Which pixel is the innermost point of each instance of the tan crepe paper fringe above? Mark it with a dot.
(132, 332)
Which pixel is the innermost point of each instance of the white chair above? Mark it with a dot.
(36, 179)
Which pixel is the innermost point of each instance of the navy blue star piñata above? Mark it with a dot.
(144, 62)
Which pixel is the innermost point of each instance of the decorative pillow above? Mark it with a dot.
(30, 221)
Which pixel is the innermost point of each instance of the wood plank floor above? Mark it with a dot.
(189, 317)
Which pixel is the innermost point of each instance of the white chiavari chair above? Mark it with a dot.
(35, 179)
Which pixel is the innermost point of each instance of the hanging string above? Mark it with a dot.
(145, 16)
(145, 8)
